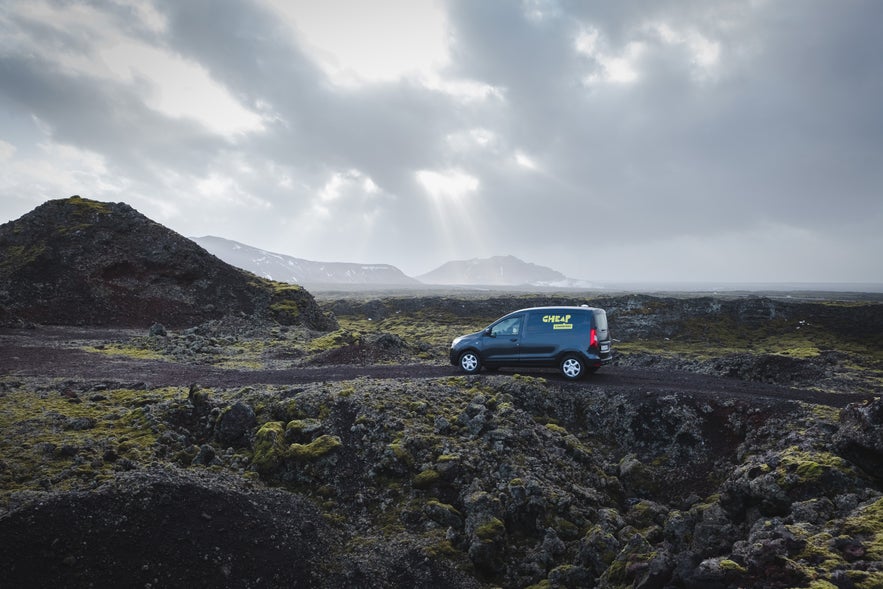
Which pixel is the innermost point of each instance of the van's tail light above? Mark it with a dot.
(593, 338)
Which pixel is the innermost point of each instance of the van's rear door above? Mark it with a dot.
(602, 331)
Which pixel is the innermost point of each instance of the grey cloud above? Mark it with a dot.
(758, 140)
(386, 132)
(100, 116)
(785, 130)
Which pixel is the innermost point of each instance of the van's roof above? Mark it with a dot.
(557, 307)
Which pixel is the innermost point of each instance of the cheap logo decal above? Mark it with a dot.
(558, 321)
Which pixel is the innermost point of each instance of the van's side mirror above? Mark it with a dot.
(489, 333)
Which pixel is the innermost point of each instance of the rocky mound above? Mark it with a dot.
(81, 262)
(176, 528)
(170, 528)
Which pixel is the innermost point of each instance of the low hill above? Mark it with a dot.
(76, 261)
(498, 271)
(299, 271)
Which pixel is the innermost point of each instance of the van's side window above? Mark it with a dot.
(511, 326)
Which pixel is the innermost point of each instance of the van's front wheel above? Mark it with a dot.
(572, 368)
(470, 362)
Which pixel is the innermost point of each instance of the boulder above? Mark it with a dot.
(860, 437)
(235, 425)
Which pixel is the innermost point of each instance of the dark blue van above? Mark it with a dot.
(574, 339)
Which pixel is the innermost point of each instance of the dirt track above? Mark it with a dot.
(41, 354)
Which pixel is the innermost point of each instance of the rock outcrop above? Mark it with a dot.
(481, 481)
(76, 261)
(860, 437)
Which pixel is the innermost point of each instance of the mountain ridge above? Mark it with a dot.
(285, 268)
(498, 271)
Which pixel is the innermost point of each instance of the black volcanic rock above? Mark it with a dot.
(860, 438)
(76, 261)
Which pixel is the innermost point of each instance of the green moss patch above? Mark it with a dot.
(810, 466)
(426, 478)
(269, 447)
(18, 256)
(57, 439)
(85, 205)
(127, 351)
(491, 529)
(315, 449)
(867, 523)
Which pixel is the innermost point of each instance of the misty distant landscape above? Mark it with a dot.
(498, 272)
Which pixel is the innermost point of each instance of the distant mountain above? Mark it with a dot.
(498, 271)
(76, 261)
(305, 272)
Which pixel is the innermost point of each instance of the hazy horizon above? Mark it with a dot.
(869, 287)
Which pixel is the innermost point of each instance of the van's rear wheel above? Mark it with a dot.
(572, 368)
(470, 363)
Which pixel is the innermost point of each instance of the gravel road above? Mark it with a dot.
(49, 353)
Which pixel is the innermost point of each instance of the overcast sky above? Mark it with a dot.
(732, 141)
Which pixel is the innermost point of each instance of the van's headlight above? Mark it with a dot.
(456, 341)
